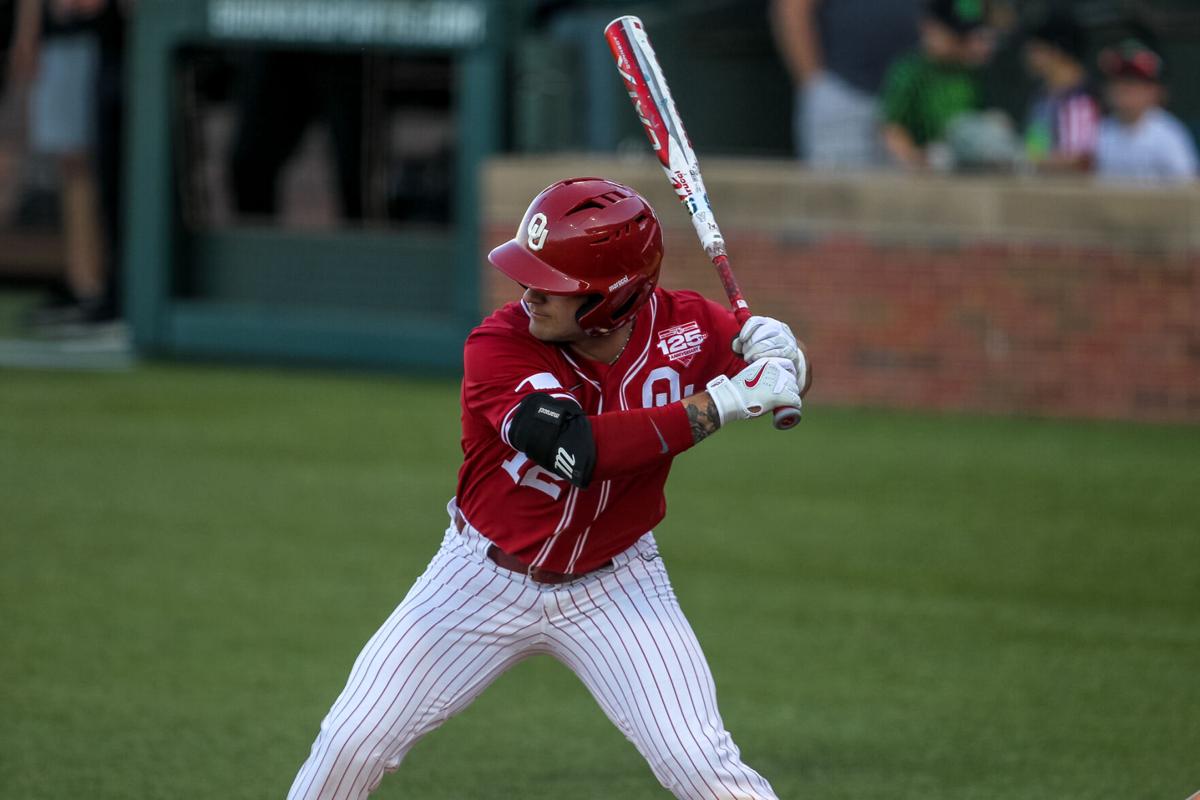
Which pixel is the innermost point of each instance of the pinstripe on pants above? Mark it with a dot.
(466, 621)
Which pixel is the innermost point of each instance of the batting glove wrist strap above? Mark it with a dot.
(726, 398)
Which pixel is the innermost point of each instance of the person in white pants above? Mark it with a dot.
(575, 402)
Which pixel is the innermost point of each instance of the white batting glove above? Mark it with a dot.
(759, 388)
(764, 337)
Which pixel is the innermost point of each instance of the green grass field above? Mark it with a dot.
(900, 606)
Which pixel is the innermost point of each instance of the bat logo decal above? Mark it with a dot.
(647, 123)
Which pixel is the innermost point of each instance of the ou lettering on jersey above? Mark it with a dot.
(679, 342)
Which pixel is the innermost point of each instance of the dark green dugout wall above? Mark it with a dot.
(396, 298)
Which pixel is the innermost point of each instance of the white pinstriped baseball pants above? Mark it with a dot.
(465, 621)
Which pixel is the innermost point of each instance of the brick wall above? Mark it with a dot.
(973, 322)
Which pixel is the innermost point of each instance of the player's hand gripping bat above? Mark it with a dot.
(652, 101)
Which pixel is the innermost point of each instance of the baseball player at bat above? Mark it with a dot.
(575, 402)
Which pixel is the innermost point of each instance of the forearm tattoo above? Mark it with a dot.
(703, 416)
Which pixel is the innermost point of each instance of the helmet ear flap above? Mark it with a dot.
(623, 309)
(592, 301)
(614, 310)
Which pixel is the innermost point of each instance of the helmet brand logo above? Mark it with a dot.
(538, 230)
(619, 283)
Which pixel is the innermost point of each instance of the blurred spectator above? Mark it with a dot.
(56, 49)
(109, 24)
(285, 92)
(1141, 141)
(978, 141)
(925, 91)
(1064, 121)
(837, 52)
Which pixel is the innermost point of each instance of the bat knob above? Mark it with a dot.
(786, 418)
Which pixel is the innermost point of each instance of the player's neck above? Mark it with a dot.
(607, 348)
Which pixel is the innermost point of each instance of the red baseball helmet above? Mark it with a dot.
(587, 236)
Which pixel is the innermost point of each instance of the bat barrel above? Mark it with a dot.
(647, 88)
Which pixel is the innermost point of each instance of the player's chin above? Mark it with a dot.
(545, 330)
(542, 333)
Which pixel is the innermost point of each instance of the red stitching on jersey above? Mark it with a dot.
(568, 512)
(603, 501)
(645, 354)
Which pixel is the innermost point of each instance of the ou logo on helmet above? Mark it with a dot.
(538, 230)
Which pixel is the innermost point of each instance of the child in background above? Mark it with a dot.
(926, 90)
(1141, 141)
(1064, 121)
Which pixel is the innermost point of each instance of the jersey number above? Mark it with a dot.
(533, 476)
(659, 379)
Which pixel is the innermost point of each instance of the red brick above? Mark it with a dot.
(991, 327)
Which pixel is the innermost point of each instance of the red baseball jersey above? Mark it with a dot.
(680, 341)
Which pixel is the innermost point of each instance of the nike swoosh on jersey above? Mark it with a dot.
(660, 436)
(752, 383)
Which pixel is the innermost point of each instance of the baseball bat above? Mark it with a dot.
(652, 102)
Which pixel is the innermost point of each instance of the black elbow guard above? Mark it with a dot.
(556, 434)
